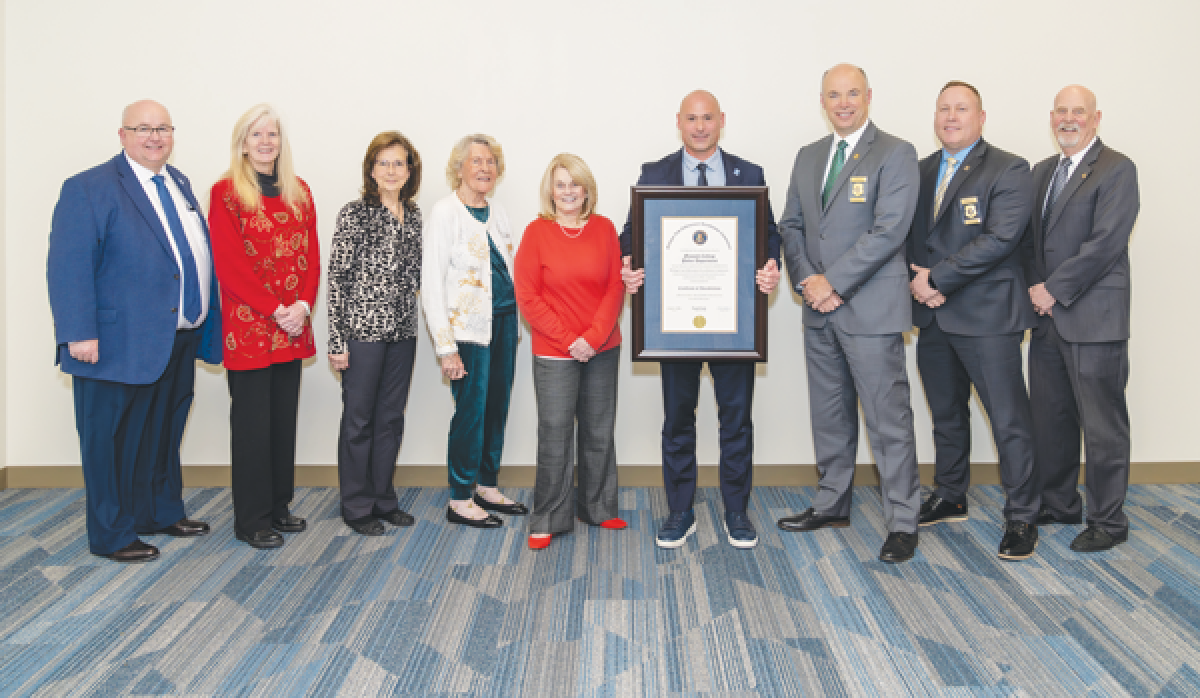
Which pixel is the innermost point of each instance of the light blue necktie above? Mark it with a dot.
(192, 304)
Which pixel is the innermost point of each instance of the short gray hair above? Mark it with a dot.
(460, 151)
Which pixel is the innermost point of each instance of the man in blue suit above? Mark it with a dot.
(134, 299)
(701, 163)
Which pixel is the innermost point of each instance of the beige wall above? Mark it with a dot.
(602, 81)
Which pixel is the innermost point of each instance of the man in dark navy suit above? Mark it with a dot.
(135, 302)
(701, 163)
(971, 305)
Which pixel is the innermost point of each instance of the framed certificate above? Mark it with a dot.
(700, 247)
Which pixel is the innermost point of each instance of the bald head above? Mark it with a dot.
(845, 97)
(150, 150)
(700, 121)
(1075, 118)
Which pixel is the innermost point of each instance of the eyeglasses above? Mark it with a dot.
(385, 164)
(145, 131)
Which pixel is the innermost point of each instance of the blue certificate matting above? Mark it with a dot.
(653, 212)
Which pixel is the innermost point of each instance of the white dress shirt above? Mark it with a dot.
(193, 229)
(851, 142)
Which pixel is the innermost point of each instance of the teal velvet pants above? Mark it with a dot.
(481, 409)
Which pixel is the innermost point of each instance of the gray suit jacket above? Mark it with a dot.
(971, 244)
(1083, 253)
(857, 241)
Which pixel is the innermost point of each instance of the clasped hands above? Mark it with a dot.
(1043, 302)
(922, 291)
(819, 294)
(291, 318)
(766, 278)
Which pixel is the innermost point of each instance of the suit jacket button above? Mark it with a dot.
(174, 310)
(822, 236)
(177, 277)
(929, 248)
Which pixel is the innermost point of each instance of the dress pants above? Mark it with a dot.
(1075, 385)
(949, 363)
(481, 409)
(129, 438)
(576, 402)
(733, 383)
(842, 368)
(262, 422)
(374, 393)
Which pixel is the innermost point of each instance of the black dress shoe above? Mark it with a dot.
(186, 528)
(514, 509)
(810, 520)
(898, 547)
(289, 524)
(137, 551)
(263, 540)
(937, 510)
(1045, 518)
(398, 517)
(490, 522)
(1019, 541)
(367, 526)
(1093, 540)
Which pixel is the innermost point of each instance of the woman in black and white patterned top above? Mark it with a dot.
(374, 276)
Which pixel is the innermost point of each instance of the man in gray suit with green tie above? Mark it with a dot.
(849, 208)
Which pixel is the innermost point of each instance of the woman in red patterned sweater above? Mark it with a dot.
(264, 238)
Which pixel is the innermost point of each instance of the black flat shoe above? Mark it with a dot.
(185, 528)
(1094, 540)
(937, 510)
(490, 522)
(398, 517)
(1019, 541)
(137, 551)
(263, 540)
(289, 524)
(810, 520)
(514, 509)
(367, 526)
(899, 547)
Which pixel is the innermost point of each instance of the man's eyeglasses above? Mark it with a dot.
(145, 131)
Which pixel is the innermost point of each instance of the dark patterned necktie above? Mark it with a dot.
(1056, 187)
(702, 180)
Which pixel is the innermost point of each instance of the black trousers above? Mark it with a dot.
(374, 393)
(949, 365)
(262, 425)
(1073, 386)
(733, 383)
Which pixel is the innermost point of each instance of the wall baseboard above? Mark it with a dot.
(43, 476)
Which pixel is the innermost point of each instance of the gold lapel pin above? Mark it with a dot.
(966, 167)
(1084, 176)
(855, 156)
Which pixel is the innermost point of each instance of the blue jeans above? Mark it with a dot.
(481, 408)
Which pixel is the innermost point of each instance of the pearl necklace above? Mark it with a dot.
(564, 230)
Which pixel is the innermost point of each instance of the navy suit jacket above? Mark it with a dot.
(971, 244)
(112, 276)
(668, 172)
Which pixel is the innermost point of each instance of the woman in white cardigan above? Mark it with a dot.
(471, 311)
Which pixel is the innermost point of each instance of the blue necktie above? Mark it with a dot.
(192, 304)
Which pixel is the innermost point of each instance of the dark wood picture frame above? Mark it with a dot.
(641, 195)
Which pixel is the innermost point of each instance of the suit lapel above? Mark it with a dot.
(137, 194)
(733, 172)
(187, 194)
(675, 170)
(821, 150)
(960, 175)
(852, 161)
(1081, 173)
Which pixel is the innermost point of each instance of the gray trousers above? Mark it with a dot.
(577, 404)
(949, 365)
(842, 368)
(374, 394)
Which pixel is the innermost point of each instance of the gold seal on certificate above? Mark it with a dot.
(700, 273)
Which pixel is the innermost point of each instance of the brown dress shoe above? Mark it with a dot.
(137, 551)
(186, 528)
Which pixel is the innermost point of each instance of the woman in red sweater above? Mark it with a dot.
(264, 238)
(569, 289)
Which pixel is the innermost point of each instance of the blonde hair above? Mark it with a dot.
(459, 154)
(579, 172)
(245, 177)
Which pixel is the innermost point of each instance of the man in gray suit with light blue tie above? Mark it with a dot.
(849, 208)
(1076, 257)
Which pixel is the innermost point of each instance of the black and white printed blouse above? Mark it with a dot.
(374, 275)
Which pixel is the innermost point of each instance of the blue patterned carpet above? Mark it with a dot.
(440, 610)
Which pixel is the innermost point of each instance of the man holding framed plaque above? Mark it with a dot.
(850, 204)
(692, 254)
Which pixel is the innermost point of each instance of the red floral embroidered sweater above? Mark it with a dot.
(263, 258)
